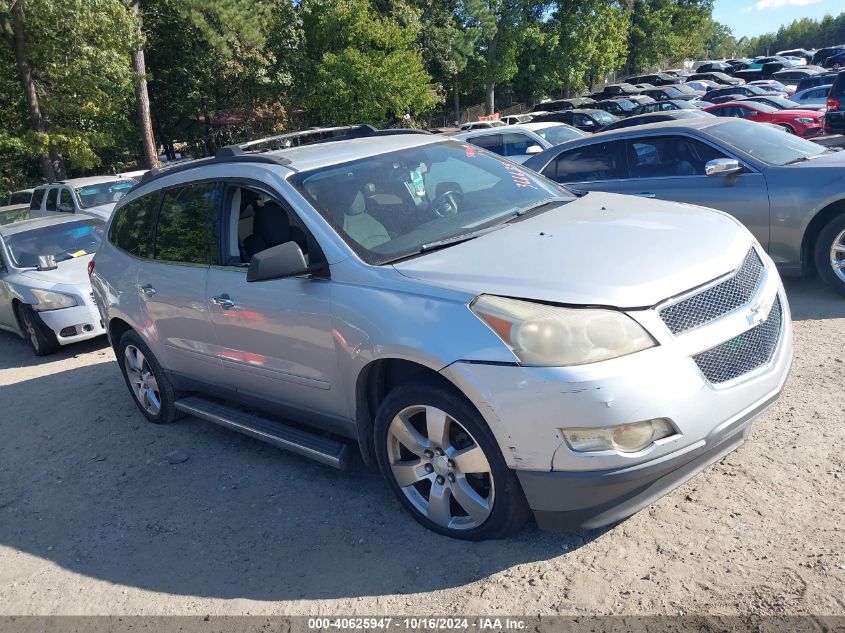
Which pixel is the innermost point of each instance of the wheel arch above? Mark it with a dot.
(814, 227)
(116, 329)
(376, 380)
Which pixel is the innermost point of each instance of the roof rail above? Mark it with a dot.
(243, 152)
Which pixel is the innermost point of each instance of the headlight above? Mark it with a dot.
(625, 438)
(548, 336)
(805, 120)
(49, 300)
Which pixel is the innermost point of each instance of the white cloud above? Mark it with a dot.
(761, 5)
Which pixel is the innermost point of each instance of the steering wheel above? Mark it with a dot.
(447, 203)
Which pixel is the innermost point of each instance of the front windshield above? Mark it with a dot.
(764, 107)
(560, 134)
(63, 241)
(684, 88)
(780, 102)
(391, 205)
(605, 118)
(768, 144)
(103, 193)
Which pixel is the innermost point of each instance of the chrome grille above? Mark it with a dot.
(743, 353)
(717, 300)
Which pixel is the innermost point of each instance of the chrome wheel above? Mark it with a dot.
(837, 256)
(440, 467)
(141, 380)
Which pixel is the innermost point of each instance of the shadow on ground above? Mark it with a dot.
(810, 299)
(89, 485)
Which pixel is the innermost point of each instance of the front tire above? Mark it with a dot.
(441, 460)
(149, 385)
(41, 338)
(830, 253)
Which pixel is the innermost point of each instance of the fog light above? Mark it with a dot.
(68, 331)
(625, 438)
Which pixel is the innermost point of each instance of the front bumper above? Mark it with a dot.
(564, 501)
(527, 408)
(71, 325)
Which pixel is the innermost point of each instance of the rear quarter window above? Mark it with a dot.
(131, 229)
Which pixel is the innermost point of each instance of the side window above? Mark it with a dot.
(37, 197)
(52, 196)
(257, 222)
(602, 161)
(186, 228)
(516, 144)
(491, 142)
(746, 112)
(669, 156)
(131, 229)
(65, 198)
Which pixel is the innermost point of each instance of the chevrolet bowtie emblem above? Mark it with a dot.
(758, 314)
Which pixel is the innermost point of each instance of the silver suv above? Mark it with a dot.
(494, 343)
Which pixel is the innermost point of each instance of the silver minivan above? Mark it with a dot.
(495, 344)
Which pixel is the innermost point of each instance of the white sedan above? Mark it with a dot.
(519, 142)
(45, 293)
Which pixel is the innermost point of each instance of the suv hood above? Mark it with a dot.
(102, 211)
(600, 249)
(72, 272)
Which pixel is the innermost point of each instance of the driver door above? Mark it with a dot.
(7, 313)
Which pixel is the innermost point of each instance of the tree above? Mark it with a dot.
(70, 59)
(362, 67)
(142, 97)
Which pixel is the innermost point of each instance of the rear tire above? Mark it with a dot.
(443, 463)
(41, 339)
(151, 389)
(830, 253)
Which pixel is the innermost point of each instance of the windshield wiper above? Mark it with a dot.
(537, 207)
(457, 239)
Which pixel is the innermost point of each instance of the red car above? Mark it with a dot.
(805, 123)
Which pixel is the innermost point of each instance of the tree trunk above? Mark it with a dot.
(457, 100)
(142, 98)
(16, 37)
(490, 105)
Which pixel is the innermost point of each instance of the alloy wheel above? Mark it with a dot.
(837, 256)
(142, 381)
(30, 330)
(440, 467)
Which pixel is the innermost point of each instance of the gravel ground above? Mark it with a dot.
(103, 513)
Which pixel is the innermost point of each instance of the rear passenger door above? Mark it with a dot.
(172, 284)
(596, 167)
(672, 168)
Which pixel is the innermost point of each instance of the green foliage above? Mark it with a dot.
(363, 67)
(803, 33)
(78, 50)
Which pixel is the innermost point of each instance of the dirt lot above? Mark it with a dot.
(95, 519)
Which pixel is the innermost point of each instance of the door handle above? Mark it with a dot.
(646, 194)
(147, 290)
(224, 301)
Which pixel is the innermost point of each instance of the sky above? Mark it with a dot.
(755, 17)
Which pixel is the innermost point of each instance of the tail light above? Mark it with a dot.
(90, 267)
(832, 103)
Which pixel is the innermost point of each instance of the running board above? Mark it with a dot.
(320, 449)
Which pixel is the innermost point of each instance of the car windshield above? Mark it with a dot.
(780, 102)
(559, 134)
(103, 193)
(63, 241)
(672, 91)
(404, 202)
(605, 118)
(768, 144)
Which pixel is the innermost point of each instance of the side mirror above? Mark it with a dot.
(65, 207)
(47, 262)
(534, 149)
(278, 262)
(722, 167)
